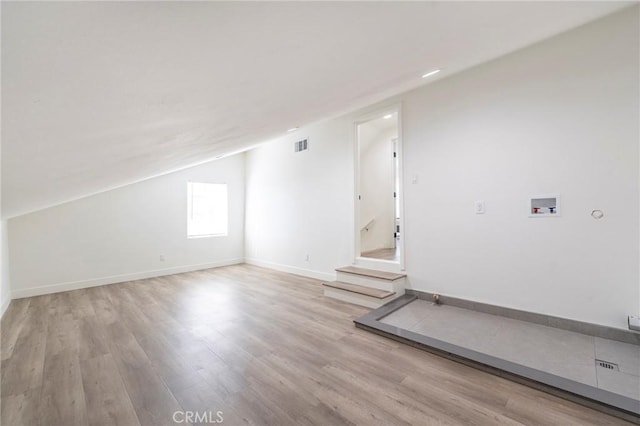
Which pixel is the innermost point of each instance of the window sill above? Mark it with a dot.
(189, 237)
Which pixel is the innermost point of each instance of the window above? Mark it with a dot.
(206, 209)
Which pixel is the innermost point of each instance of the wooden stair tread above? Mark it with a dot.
(390, 276)
(367, 291)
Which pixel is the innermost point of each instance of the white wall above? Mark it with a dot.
(561, 116)
(5, 289)
(119, 235)
(302, 203)
(377, 184)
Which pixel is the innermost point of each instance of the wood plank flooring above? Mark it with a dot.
(358, 289)
(261, 346)
(385, 254)
(383, 275)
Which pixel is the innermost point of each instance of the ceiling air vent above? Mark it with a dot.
(302, 145)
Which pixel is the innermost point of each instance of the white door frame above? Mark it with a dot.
(357, 258)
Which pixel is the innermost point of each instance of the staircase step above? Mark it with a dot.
(367, 291)
(391, 276)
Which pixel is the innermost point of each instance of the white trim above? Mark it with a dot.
(75, 285)
(356, 190)
(400, 171)
(3, 307)
(323, 276)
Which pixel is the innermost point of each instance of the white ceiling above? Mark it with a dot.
(98, 95)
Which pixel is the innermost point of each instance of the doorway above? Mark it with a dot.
(378, 190)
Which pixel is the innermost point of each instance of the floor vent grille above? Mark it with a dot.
(608, 365)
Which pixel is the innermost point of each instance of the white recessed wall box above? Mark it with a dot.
(544, 206)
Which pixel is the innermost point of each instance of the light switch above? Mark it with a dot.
(479, 207)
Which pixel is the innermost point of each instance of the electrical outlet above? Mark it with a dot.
(162, 258)
(307, 258)
(479, 207)
(634, 322)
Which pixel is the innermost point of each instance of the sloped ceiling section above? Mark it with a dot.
(99, 95)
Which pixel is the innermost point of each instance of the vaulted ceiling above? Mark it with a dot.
(96, 95)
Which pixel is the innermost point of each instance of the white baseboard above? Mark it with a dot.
(4, 305)
(75, 285)
(323, 276)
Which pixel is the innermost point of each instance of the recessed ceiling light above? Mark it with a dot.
(430, 73)
(388, 116)
(293, 129)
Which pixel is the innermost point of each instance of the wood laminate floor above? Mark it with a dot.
(384, 254)
(260, 346)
